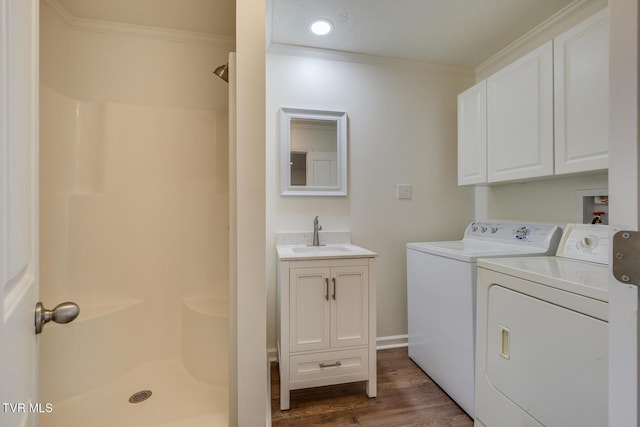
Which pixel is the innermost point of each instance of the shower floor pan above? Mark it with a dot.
(178, 400)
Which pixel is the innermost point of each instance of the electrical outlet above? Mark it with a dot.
(404, 191)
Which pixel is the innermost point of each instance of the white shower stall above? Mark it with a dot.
(134, 218)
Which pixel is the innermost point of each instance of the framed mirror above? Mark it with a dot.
(313, 152)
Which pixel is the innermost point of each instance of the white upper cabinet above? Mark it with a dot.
(546, 113)
(520, 118)
(472, 135)
(581, 72)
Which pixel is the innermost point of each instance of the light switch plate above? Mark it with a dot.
(404, 191)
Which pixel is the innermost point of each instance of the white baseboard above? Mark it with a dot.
(392, 341)
(272, 354)
(382, 343)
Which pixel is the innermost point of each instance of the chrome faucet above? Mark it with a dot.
(316, 227)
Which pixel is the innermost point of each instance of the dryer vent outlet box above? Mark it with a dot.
(593, 206)
(595, 209)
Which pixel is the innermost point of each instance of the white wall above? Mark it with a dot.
(554, 200)
(401, 130)
(250, 402)
(624, 372)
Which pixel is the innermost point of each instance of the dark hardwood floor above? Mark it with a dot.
(406, 397)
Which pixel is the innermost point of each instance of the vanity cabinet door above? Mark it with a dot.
(581, 86)
(328, 308)
(520, 118)
(349, 306)
(472, 135)
(309, 309)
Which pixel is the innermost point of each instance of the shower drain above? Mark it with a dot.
(140, 396)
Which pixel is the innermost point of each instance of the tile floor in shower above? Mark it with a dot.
(178, 400)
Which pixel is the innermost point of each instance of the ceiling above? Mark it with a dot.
(455, 32)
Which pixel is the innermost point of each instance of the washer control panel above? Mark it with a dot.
(542, 235)
(586, 242)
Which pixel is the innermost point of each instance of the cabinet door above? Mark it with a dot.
(520, 118)
(581, 79)
(349, 306)
(472, 135)
(309, 309)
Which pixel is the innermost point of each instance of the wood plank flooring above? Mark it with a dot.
(406, 397)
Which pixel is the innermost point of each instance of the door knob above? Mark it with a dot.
(62, 313)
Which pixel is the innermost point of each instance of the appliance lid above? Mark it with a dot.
(579, 277)
(496, 239)
(470, 250)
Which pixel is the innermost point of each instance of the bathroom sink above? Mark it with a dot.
(329, 251)
(320, 249)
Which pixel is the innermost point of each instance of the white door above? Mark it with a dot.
(624, 194)
(18, 212)
(520, 118)
(581, 96)
(309, 308)
(472, 135)
(322, 169)
(350, 311)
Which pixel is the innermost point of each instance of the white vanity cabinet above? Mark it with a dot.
(520, 118)
(326, 322)
(581, 94)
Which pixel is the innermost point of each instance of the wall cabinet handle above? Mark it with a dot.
(333, 279)
(326, 295)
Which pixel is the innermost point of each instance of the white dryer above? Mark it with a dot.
(542, 335)
(441, 297)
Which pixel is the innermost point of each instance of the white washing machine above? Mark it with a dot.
(542, 337)
(441, 295)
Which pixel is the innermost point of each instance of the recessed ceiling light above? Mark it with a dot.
(321, 27)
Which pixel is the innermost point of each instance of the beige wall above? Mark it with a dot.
(132, 65)
(401, 130)
(54, 48)
(134, 175)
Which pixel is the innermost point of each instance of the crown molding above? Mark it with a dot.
(130, 30)
(359, 58)
(141, 31)
(546, 26)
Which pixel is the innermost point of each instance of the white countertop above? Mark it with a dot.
(329, 251)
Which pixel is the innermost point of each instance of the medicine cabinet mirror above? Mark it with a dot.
(313, 152)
